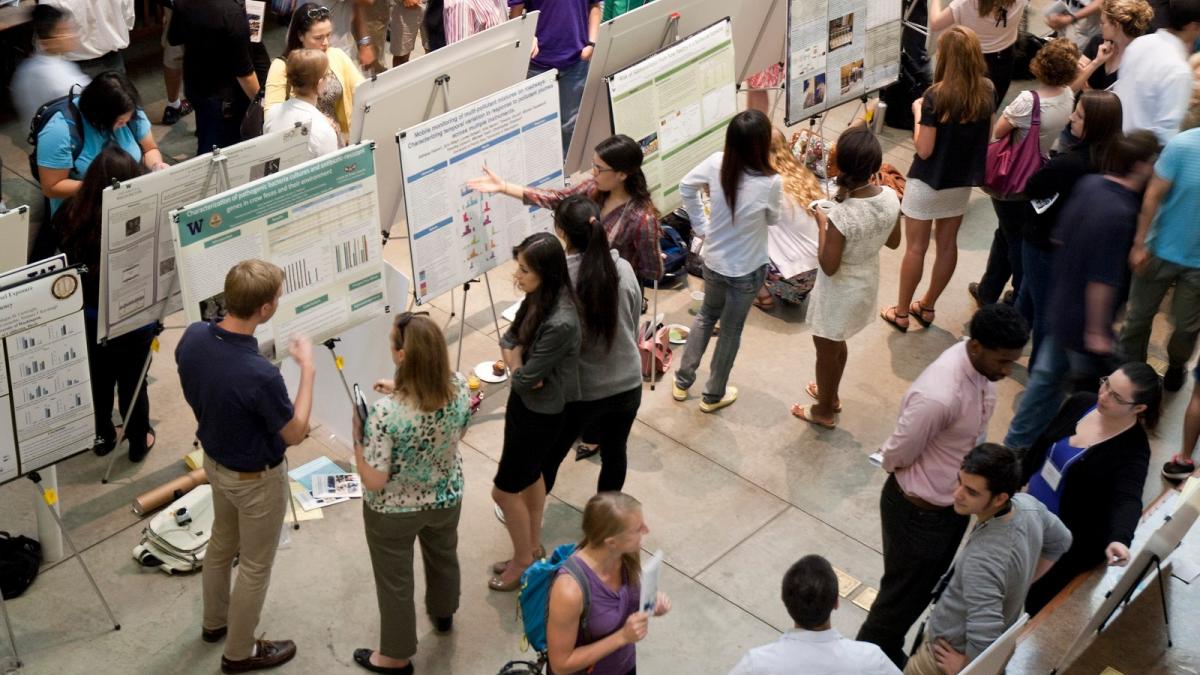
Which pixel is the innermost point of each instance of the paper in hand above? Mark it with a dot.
(650, 571)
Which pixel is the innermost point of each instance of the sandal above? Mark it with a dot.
(363, 658)
(496, 584)
(499, 567)
(805, 413)
(583, 451)
(918, 312)
(895, 318)
(811, 390)
(764, 301)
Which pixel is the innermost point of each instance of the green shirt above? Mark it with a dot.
(615, 8)
(418, 451)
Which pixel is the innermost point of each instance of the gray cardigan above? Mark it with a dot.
(552, 359)
(607, 371)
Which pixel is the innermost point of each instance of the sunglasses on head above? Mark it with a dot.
(403, 319)
(317, 13)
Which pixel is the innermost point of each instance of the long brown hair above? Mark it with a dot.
(799, 184)
(992, 9)
(80, 218)
(962, 92)
(606, 515)
(423, 377)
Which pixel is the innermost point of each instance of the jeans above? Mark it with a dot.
(218, 121)
(1045, 392)
(606, 422)
(1034, 298)
(118, 364)
(1146, 294)
(918, 547)
(570, 93)
(727, 299)
(1000, 70)
(1004, 260)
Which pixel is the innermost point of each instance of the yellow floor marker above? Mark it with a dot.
(866, 598)
(846, 583)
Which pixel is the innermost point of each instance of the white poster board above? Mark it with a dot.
(676, 104)
(14, 232)
(317, 221)
(838, 51)
(137, 256)
(758, 38)
(456, 233)
(46, 410)
(409, 94)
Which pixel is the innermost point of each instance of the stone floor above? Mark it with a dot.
(732, 498)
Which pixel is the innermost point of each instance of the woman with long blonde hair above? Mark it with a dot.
(953, 126)
(607, 559)
(791, 242)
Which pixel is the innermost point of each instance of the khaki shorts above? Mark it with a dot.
(172, 55)
(406, 24)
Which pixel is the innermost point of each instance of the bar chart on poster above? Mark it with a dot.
(839, 50)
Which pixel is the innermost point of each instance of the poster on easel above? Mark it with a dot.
(838, 51)
(137, 260)
(456, 233)
(676, 104)
(14, 232)
(46, 412)
(317, 221)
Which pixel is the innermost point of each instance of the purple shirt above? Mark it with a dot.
(943, 415)
(562, 30)
(606, 615)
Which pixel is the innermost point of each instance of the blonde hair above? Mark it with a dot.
(1133, 16)
(799, 184)
(606, 515)
(305, 68)
(249, 285)
(960, 85)
(423, 377)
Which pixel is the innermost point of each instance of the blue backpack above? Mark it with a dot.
(46, 112)
(535, 594)
(675, 254)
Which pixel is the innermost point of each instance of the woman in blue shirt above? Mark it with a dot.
(1089, 468)
(109, 112)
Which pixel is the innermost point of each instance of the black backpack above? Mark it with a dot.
(47, 111)
(20, 559)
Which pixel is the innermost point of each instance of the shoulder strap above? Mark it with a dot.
(572, 566)
(1035, 116)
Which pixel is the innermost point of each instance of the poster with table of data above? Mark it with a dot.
(317, 221)
(46, 410)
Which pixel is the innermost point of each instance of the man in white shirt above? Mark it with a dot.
(104, 27)
(1156, 81)
(46, 75)
(813, 647)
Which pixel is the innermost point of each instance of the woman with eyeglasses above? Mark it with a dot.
(619, 188)
(411, 469)
(1089, 468)
(312, 28)
(996, 22)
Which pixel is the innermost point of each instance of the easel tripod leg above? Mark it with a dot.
(1162, 595)
(15, 661)
(462, 329)
(492, 303)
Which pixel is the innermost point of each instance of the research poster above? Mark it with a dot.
(839, 50)
(318, 221)
(46, 410)
(676, 103)
(14, 232)
(137, 261)
(457, 233)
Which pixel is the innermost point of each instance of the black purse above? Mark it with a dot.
(20, 560)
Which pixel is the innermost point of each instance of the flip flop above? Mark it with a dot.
(805, 413)
(893, 320)
(918, 311)
(811, 390)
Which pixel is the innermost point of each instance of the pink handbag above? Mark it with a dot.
(1009, 163)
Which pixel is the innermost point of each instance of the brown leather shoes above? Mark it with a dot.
(213, 635)
(270, 653)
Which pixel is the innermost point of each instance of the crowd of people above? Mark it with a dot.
(1093, 238)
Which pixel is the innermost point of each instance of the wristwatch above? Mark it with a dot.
(589, 43)
(364, 41)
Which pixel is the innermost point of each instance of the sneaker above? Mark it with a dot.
(726, 400)
(1173, 378)
(171, 114)
(269, 654)
(678, 393)
(1009, 298)
(1179, 468)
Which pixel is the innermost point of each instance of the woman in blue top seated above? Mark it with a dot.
(1089, 468)
(110, 113)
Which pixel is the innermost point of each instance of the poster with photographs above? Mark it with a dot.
(838, 51)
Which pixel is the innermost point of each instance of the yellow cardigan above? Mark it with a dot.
(342, 68)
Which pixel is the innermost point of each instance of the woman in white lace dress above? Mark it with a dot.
(852, 231)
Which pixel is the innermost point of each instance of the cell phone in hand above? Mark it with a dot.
(360, 404)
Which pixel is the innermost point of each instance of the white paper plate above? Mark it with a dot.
(685, 329)
(484, 372)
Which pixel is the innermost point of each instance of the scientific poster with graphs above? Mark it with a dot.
(457, 233)
(46, 412)
(839, 50)
(676, 103)
(137, 261)
(318, 221)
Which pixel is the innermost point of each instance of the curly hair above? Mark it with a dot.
(1056, 63)
(799, 184)
(1133, 16)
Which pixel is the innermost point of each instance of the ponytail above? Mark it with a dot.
(596, 284)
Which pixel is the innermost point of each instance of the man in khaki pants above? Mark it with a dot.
(246, 422)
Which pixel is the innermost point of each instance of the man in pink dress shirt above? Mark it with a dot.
(943, 415)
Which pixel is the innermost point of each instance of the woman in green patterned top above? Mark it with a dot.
(411, 470)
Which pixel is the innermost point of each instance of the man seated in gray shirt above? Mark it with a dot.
(1015, 541)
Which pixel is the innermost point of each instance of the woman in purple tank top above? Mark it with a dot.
(612, 539)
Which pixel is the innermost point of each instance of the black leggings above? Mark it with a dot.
(118, 364)
(606, 421)
(1000, 71)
